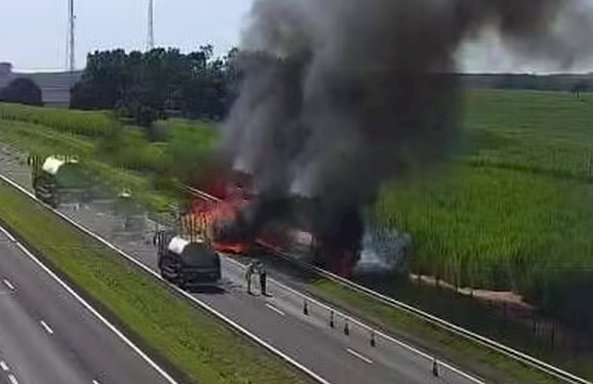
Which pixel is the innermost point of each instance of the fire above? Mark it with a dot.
(206, 215)
(203, 217)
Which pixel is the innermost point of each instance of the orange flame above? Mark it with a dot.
(206, 214)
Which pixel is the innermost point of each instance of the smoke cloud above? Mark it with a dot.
(340, 96)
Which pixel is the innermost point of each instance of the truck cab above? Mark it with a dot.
(59, 178)
(187, 263)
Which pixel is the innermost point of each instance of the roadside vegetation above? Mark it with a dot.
(513, 210)
(121, 154)
(89, 124)
(194, 343)
(491, 366)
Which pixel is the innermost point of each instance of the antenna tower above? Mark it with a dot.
(150, 25)
(71, 53)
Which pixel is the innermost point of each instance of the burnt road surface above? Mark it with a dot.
(340, 355)
(47, 336)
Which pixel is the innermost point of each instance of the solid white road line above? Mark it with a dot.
(9, 284)
(46, 327)
(361, 324)
(13, 379)
(358, 355)
(183, 293)
(3, 366)
(10, 237)
(275, 310)
(85, 304)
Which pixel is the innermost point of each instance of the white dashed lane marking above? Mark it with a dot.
(358, 355)
(3, 366)
(270, 306)
(9, 284)
(13, 379)
(46, 327)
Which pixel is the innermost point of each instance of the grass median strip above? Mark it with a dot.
(193, 342)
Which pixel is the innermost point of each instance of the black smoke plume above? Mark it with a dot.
(339, 96)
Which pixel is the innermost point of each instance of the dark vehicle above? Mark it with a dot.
(187, 263)
(58, 179)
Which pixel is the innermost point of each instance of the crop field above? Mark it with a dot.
(92, 124)
(514, 210)
(101, 135)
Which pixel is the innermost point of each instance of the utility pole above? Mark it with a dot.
(71, 54)
(150, 40)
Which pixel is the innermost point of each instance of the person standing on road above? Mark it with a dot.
(249, 276)
(263, 276)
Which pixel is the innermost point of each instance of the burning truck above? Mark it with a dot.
(240, 220)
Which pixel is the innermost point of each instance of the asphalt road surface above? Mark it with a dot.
(279, 320)
(47, 336)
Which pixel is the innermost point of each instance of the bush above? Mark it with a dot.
(22, 91)
(129, 149)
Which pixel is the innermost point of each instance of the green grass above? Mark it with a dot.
(185, 145)
(92, 124)
(118, 154)
(44, 141)
(192, 341)
(494, 228)
(539, 132)
(48, 142)
(515, 209)
(171, 127)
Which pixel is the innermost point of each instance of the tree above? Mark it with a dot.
(23, 91)
(148, 85)
(102, 82)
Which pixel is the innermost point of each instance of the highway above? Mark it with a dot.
(47, 336)
(339, 355)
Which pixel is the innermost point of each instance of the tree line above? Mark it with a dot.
(147, 86)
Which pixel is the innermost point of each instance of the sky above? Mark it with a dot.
(33, 32)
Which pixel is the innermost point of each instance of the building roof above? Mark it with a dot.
(55, 86)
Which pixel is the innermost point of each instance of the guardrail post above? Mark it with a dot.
(332, 321)
(346, 327)
(435, 368)
(373, 341)
(306, 308)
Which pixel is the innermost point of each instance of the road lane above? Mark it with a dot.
(307, 339)
(46, 336)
